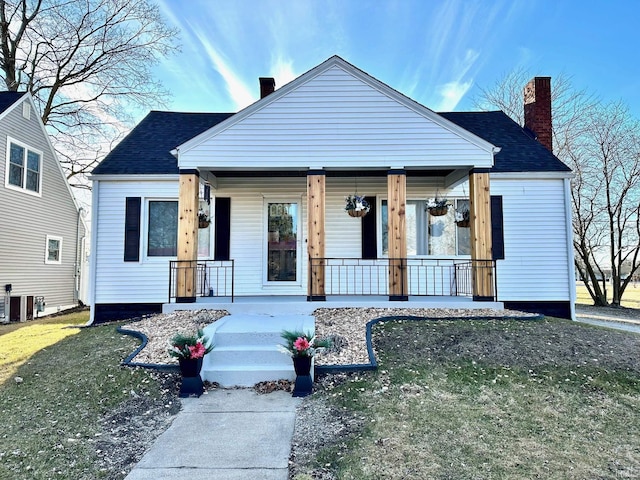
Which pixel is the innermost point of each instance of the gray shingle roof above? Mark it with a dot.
(9, 98)
(519, 151)
(147, 148)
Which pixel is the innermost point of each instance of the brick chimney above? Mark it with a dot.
(267, 86)
(537, 110)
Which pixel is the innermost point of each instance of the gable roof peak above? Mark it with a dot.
(357, 73)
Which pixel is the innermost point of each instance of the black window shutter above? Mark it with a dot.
(369, 231)
(497, 228)
(222, 225)
(132, 229)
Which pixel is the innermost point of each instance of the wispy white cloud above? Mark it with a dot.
(240, 93)
(282, 70)
(431, 51)
(452, 92)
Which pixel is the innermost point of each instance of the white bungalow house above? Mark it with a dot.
(271, 180)
(42, 231)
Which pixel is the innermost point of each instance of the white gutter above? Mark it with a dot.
(531, 175)
(95, 195)
(135, 178)
(570, 254)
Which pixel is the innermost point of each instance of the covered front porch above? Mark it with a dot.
(270, 237)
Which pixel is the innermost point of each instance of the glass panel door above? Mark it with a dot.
(282, 242)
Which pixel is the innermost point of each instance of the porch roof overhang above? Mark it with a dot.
(450, 176)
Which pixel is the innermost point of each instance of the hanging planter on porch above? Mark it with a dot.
(462, 217)
(438, 206)
(203, 219)
(356, 205)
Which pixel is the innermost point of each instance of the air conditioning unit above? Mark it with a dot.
(40, 304)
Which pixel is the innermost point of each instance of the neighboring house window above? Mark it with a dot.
(24, 167)
(427, 234)
(54, 250)
(163, 229)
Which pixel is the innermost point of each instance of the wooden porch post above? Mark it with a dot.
(481, 258)
(396, 205)
(315, 233)
(187, 236)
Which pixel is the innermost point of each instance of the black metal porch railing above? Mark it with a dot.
(424, 277)
(214, 278)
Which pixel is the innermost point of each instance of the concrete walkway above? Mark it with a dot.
(607, 318)
(224, 434)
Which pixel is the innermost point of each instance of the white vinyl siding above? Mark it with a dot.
(535, 267)
(335, 120)
(117, 281)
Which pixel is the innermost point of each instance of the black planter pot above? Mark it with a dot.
(191, 382)
(304, 383)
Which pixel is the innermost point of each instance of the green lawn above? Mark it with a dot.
(53, 421)
(491, 400)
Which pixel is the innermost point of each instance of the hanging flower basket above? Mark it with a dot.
(357, 213)
(438, 211)
(356, 205)
(203, 219)
(462, 218)
(438, 207)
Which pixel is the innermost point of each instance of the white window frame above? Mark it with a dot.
(46, 250)
(145, 229)
(379, 227)
(27, 149)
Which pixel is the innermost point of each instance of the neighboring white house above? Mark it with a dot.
(272, 180)
(42, 233)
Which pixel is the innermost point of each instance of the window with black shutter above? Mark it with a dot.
(497, 228)
(222, 229)
(132, 229)
(369, 231)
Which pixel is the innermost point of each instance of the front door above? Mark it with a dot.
(283, 258)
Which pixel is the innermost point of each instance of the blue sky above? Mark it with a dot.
(436, 52)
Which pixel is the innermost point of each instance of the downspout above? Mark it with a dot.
(95, 195)
(570, 255)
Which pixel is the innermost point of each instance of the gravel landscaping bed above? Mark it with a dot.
(346, 327)
(160, 328)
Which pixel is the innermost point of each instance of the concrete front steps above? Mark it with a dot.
(246, 348)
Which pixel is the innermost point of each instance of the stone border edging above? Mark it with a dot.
(143, 338)
(373, 363)
(323, 369)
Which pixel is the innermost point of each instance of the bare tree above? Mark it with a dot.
(601, 143)
(86, 63)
